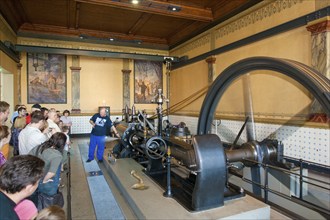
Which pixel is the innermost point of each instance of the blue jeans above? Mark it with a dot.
(100, 142)
(50, 188)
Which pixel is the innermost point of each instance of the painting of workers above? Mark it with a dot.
(148, 79)
(46, 81)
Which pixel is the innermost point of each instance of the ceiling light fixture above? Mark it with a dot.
(111, 39)
(174, 8)
(135, 2)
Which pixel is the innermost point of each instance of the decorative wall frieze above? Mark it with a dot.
(249, 19)
(258, 15)
(196, 43)
(96, 47)
(45, 44)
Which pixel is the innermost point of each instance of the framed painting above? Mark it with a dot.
(46, 78)
(148, 78)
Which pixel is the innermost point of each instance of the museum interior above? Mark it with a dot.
(220, 108)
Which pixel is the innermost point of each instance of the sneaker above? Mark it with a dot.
(87, 161)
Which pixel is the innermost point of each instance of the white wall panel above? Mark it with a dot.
(81, 125)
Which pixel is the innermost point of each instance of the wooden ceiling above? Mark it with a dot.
(149, 23)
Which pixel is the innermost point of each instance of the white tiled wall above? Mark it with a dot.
(310, 144)
(81, 125)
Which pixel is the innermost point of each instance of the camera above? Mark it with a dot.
(168, 58)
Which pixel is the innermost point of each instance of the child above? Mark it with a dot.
(66, 119)
(53, 212)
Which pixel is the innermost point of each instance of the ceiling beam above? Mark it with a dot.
(159, 8)
(68, 22)
(92, 34)
(139, 23)
(77, 11)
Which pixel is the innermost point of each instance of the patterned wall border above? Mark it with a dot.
(258, 15)
(105, 48)
(196, 43)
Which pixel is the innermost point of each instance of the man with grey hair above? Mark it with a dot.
(52, 119)
(100, 122)
(4, 112)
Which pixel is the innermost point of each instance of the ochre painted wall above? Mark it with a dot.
(271, 91)
(187, 81)
(101, 83)
(101, 78)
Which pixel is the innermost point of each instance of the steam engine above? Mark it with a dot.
(198, 165)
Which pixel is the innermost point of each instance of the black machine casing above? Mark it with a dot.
(206, 185)
(211, 172)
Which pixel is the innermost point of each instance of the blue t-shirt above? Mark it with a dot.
(101, 124)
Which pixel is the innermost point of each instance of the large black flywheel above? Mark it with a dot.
(312, 80)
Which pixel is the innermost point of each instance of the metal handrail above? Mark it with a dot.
(287, 171)
(68, 174)
(324, 212)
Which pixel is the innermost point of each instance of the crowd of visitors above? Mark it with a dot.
(40, 143)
